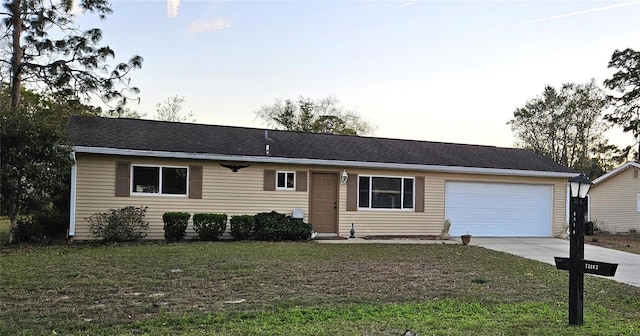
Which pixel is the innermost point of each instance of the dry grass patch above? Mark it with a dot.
(629, 242)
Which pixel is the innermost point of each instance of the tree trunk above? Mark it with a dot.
(16, 57)
(12, 227)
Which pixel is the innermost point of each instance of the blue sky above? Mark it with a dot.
(428, 70)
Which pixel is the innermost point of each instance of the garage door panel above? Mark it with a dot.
(497, 209)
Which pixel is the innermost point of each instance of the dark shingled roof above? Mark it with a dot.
(151, 135)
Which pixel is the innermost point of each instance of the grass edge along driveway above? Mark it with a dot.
(296, 289)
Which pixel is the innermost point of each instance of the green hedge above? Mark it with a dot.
(175, 225)
(274, 226)
(241, 226)
(209, 226)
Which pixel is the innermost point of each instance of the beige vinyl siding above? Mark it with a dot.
(614, 202)
(223, 191)
(430, 222)
(243, 193)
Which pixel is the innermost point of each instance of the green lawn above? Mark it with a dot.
(296, 289)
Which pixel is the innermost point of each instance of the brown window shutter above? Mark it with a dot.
(352, 192)
(123, 183)
(301, 180)
(269, 180)
(195, 182)
(419, 196)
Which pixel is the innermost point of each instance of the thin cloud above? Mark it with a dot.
(406, 4)
(172, 8)
(582, 12)
(208, 26)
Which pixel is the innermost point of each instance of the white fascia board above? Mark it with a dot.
(616, 171)
(72, 198)
(319, 162)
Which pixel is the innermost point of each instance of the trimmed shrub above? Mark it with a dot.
(209, 226)
(175, 225)
(54, 223)
(274, 226)
(241, 226)
(119, 225)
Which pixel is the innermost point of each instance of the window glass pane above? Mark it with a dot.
(146, 179)
(281, 179)
(363, 192)
(286, 180)
(174, 181)
(407, 201)
(290, 179)
(386, 192)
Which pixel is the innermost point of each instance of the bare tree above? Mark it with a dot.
(171, 110)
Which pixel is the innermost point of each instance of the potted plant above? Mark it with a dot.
(466, 238)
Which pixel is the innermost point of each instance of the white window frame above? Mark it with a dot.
(638, 205)
(402, 208)
(159, 193)
(285, 172)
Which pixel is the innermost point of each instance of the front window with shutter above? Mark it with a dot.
(379, 192)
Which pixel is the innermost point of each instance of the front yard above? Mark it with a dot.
(296, 289)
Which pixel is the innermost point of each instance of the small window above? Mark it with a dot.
(285, 181)
(376, 192)
(159, 180)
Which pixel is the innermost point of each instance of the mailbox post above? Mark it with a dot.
(575, 264)
(576, 253)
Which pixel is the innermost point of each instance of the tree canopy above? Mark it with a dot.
(34, 156)
(52, 68)
(626, 83)
(49, 53)
(566, 125)
(324, 115)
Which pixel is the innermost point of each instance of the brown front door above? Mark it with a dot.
(324, 202)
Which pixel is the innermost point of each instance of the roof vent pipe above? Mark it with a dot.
(266, 149)
(266, 134)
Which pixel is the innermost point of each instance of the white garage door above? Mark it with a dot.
(498, 209)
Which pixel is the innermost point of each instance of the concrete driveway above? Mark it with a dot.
(544, 249)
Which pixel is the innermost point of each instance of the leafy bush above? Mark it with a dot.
(27, 230)
(275, 227)
(54, 223)
(175, 225)
(42, 226)
(241, 226)
(118, 225)
(209, 226)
